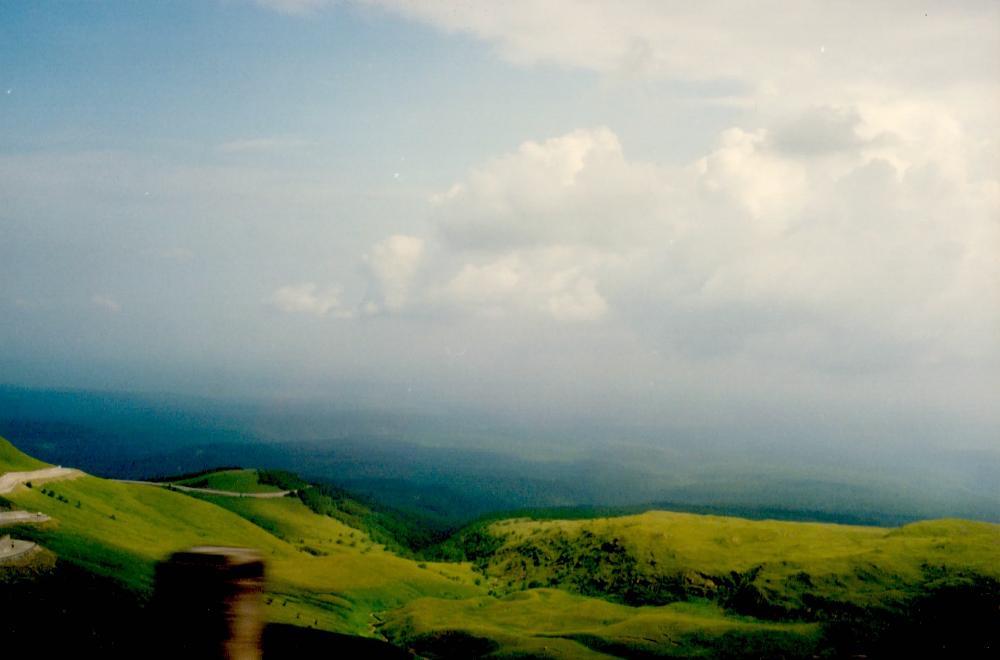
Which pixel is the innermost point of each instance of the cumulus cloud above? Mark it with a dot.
(572, 189)
(393, 263)
(553, 282)
(853, 213)
(768, 186)
(820, 131)
(307, 298)
(848, 231)
(526, 233)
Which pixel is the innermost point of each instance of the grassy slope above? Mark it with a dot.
(343, 566)
(553, 623)
(819, 588)
(860, 565)
(326, 574)
(539, 621)
(13, 460)
(121, 530)
(237, 481)
(535, 622)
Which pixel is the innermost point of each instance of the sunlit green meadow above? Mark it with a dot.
(236, 481)
(654, 584)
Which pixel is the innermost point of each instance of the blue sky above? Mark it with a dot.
(637, 211)
(172, 76)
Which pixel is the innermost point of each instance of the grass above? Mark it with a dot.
(343, 566)
(684, 585)
(321, 572)
(777, 563)
(14, 460)
(120, 530)
(653, 584)
(236, 481)
(553, 623)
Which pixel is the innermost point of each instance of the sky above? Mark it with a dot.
(687, 215)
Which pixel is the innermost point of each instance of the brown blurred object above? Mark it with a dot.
(208, 604)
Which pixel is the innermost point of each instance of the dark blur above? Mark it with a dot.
(207, 602)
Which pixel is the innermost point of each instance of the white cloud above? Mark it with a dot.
(573, 189)
(820, 131)
(767, 185)
(106, 302)
(849, 225)
(774, 45)
(307, 298)
(525, 234)
(852, 209)
(394, 263)
(553, 282)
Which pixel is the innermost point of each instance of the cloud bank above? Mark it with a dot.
(845, 236)
(773, 46)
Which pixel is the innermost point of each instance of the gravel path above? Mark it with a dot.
(11, 480)
(19, 517)
(11, 549)
(209, 491)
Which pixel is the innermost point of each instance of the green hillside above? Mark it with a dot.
(13, 459)
(236, 481)
(321, 572)
(660, 557)
(553, 623)
(687, 582)
(341, 565)
(658, 584)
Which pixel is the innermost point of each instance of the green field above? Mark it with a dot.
(683, 585)
(661, 556)
(321, 572)
(658, 584)
(553, 623)
(13, 459)
(340, 565)
(236, 481)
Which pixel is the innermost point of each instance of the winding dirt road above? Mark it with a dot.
(208, 491)
(21, 517)
(11, 480)
(11, 549)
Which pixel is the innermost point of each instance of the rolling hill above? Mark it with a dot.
(322, 573)
(14, 460)
(237, 480)
(656, 584)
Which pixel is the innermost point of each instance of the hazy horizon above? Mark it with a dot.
(767, 224)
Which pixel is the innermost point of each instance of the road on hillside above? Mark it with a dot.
(11, 480)
(209, 491)
(21, 517)
(11, 549)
